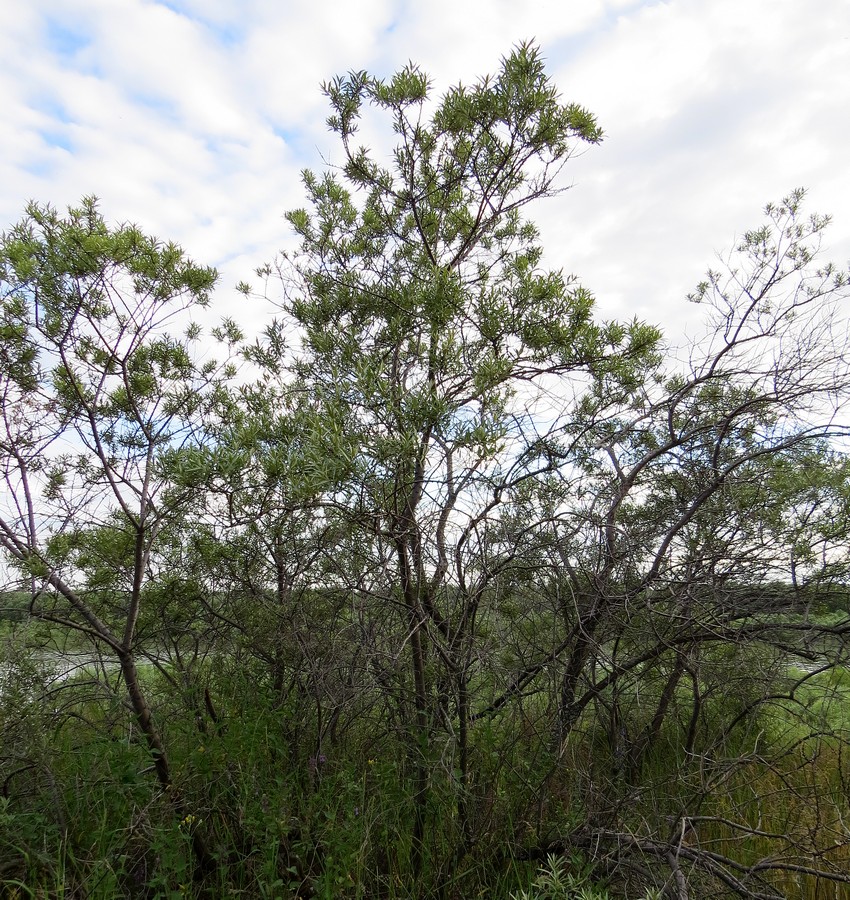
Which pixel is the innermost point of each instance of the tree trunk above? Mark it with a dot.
(203, 855)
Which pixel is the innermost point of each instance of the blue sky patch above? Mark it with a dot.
(65, 41)
(57, 137)
(228, 34)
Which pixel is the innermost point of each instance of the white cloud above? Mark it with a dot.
(711, 109)
(194, 117)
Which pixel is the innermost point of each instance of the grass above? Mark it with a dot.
(288, 816)
(804, 800)
(282, 824)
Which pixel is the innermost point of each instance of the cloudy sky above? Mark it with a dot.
(195, 117)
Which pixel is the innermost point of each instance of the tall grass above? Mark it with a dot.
(292, 811)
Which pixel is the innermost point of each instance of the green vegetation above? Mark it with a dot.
(455, 590)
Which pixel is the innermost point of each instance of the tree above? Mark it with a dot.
(431, 342)
(97, 394)
(691, 569)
